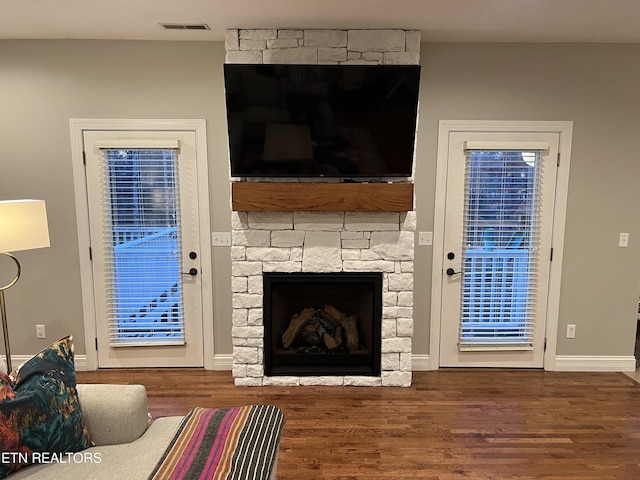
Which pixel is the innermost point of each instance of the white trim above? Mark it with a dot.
(559, 222)
(134, 143)
(594, 363)
(421, 362)
(80, 362)
(477, 145)
(446, 127)
(222, 361)
(199, 127)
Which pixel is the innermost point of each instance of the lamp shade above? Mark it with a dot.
(23, 225)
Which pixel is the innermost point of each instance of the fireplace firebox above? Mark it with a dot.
(322, 323)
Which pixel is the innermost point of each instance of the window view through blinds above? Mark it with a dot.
(142, 229)
(500, 254)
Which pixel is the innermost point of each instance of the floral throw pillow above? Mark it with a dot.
(40, 412)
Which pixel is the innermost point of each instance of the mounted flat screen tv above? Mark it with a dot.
(321, 120)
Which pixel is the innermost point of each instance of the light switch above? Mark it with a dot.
(425, 238)
(221, 239)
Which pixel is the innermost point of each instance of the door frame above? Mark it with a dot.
(198, 126)
(446, 127)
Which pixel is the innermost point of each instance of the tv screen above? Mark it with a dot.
(321, 120)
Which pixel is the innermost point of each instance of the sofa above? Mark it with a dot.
(128, 443)
(51, 427)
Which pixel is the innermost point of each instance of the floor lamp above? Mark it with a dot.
(23, 226)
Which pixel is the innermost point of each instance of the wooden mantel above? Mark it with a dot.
(324, 197)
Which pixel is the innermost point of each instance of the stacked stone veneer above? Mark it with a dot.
(386, 47)
(322, 241)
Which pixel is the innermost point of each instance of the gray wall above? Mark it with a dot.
(44, 83)
(595, 86)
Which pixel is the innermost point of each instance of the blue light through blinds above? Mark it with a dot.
(142, 231)
(500, 264)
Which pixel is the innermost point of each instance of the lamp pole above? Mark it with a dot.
(3, 312)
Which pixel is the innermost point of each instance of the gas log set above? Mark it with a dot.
(322, 324)
(325, 330)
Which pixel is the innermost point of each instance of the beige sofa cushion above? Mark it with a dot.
(114, 414)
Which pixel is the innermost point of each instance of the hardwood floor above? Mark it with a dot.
(450, 424)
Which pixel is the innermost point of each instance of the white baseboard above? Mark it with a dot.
(421, 363)
(223, 361)
(220, 362)
(80, 362)
(593, 363)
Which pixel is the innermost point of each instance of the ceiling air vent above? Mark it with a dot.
(185, 26)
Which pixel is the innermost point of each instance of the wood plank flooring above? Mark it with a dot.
(450, 424)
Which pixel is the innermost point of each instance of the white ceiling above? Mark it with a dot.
(438, 20)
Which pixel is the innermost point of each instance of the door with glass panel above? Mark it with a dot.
(497, 248)
(143, 209)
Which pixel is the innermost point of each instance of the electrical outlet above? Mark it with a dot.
(40, 331)
(571, 331)
(623, 240)
(425, 238)
(221, 239)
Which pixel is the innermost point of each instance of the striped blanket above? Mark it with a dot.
(231, 443)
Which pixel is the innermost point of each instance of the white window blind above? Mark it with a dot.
(141, 231)
(500, 262)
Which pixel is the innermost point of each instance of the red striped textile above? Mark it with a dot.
(231, 443)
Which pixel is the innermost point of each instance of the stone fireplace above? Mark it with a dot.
(321, 242)
(296, 247)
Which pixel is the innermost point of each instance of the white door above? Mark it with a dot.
(142, 193)
(500, 190)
